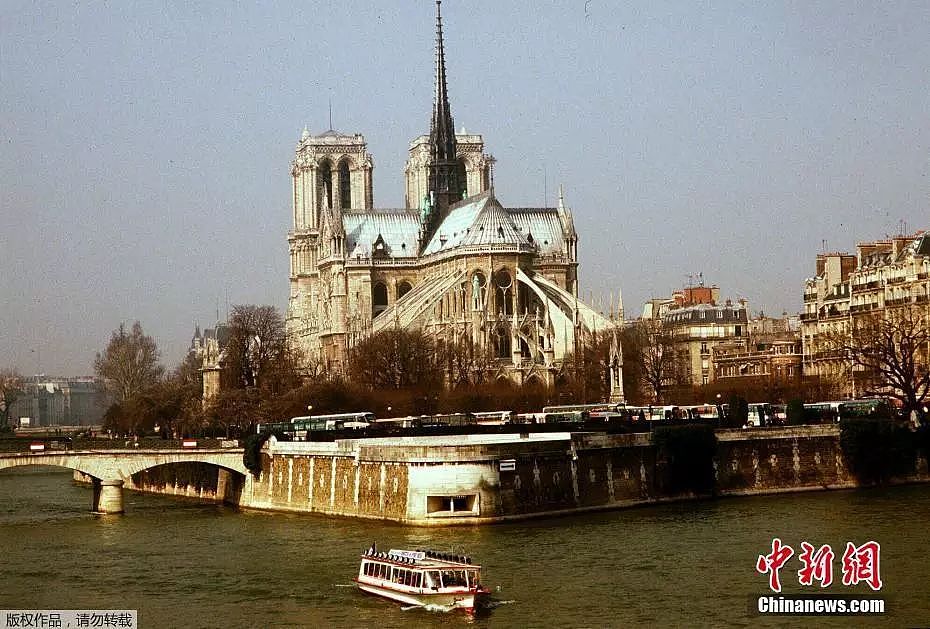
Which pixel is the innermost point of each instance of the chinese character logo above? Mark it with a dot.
(818, 566)
(860, 564)
(773, 562)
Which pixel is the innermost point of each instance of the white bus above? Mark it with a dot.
(493, 418)
(336, 421)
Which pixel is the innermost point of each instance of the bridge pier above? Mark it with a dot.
(108, 496)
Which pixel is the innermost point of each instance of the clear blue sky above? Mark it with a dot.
(146, 145)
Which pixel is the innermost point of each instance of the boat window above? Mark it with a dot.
(383, 572)
(433, 580)
(418, 580)
(453, 578)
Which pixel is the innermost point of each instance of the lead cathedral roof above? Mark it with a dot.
(475, 222)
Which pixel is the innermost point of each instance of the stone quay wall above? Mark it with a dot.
(478, 479)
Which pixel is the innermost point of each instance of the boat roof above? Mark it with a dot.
(419, 559)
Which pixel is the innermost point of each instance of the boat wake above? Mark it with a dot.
(343, 585)
(443, 609)
(431, 607)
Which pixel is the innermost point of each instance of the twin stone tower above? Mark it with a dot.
(454, 263)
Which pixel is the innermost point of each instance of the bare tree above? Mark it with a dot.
(588, 368)
(657, 356)
(397, 359)
(11, 388)
(257, 353)
(129, 363)
(466, 363)
(892, 348)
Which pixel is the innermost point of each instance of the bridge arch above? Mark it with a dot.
(110, 470)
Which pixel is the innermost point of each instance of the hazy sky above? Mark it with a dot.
(146, 145)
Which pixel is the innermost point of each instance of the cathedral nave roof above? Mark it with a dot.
(398, 229)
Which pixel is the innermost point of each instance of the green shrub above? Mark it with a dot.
(795, 412)
(252, 450)
(876, 450)
(737, 411)
(688, 452)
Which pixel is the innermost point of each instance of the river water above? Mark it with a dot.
(190, 564)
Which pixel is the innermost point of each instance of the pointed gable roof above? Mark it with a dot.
(479, 221)
(494, 225)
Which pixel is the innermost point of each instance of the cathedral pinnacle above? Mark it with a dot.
(444, 177)
(442, 130)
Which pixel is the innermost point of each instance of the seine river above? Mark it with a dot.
(187, 564)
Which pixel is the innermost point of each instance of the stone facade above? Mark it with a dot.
(210, 349)
(884, 274)
(773, 352)
(454, 262)
(439, 481)
(61, 402)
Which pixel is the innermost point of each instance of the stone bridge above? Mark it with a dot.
(109, 469)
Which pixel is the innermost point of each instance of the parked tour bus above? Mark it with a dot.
(493, 418)
(297, 427)
(822, 412)
(701, 411)
(760, 414)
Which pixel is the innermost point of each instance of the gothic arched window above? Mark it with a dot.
(326, 184)
(345, 186)
(403, 288)
(501, 343)
(461, 178)
(379, 299)
(504, 284)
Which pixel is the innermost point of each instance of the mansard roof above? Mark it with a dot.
(398, 228)
(922, 245)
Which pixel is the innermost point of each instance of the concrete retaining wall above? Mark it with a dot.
(462, 480)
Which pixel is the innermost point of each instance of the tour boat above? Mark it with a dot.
(421, 578)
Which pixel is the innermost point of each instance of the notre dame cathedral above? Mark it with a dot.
(454, 262)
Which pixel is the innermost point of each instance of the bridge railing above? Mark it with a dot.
(58, 443)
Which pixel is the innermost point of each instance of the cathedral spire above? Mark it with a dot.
(445, 181)
(442, 129)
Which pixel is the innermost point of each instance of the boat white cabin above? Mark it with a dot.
(421, 578)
